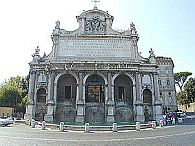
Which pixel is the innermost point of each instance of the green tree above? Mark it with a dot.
(181, 98)
(189, 88)
(12, 93)
(180, 78)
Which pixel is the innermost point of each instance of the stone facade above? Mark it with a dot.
(166, 84)
(94, 74)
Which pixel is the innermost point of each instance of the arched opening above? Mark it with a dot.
(94, 99)
(123, 89)
(66, 88)
(147, 100)
(123, 96)
(66, 99)
(40, 110)
(41, 95)
(94, 91)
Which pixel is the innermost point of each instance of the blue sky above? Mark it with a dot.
(167, 26)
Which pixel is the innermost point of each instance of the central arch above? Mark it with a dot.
(94, 99)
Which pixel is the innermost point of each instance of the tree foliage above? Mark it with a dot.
(181, 98)
(187, 93)
(180, 78)
(189, 88)
(13, 92)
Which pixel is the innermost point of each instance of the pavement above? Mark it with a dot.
(171, 135)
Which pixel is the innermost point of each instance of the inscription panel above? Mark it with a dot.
(95, 48)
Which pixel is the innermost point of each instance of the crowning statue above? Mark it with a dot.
(57, 25)
(132, 28)
(151, 52)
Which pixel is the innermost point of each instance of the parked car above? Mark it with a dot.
(6, 121)
(181, 114)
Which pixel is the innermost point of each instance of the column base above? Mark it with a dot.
(139, 112)
(140, 118)
(158, 111)
(48, 118)
(158, 114)
(80, 119)
(80, 112)
(29, 112)
(27, 116)
(110, 119)
(110, 111)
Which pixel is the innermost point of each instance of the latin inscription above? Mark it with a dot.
(95, 48)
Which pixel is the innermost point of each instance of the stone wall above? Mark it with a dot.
(190, 108)
(6, 111)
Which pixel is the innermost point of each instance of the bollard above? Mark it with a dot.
(14, 120)
(43, 125)
(153, 124)
(164, 121)
(86, 127)
(173, 121)
(32, 123)
(114, 127)
(180, 120)
(138, 127)
(61, 126)
(27, 122)
(161, 123)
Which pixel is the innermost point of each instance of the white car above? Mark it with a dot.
(6, 121)
(181, 114)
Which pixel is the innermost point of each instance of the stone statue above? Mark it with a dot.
(132, 28)
(151, 52)
(57, 25)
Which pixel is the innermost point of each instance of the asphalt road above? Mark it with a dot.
(23, 135)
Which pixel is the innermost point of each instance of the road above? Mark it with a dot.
(23, 135)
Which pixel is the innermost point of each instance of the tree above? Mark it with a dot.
(189, 88)
(180, 78)
(13, 93)
(181, 98)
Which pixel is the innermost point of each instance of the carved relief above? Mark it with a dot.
(95, 25)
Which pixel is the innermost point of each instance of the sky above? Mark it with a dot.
(166, 26)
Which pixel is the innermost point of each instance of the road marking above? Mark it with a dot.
(104, 140)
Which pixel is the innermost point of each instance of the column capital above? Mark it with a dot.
(32, 71)
(50, 102)
(109, 102)
(138, 102)
(80, 102)
(30, 102)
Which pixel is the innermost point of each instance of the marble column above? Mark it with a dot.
(110, 101)
(30, 108)
(50, 102)
(139, 102)
(157, 102)
(80, 100)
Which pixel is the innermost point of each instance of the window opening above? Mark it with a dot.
(94, 93)
(67, 92)
(121, 92)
